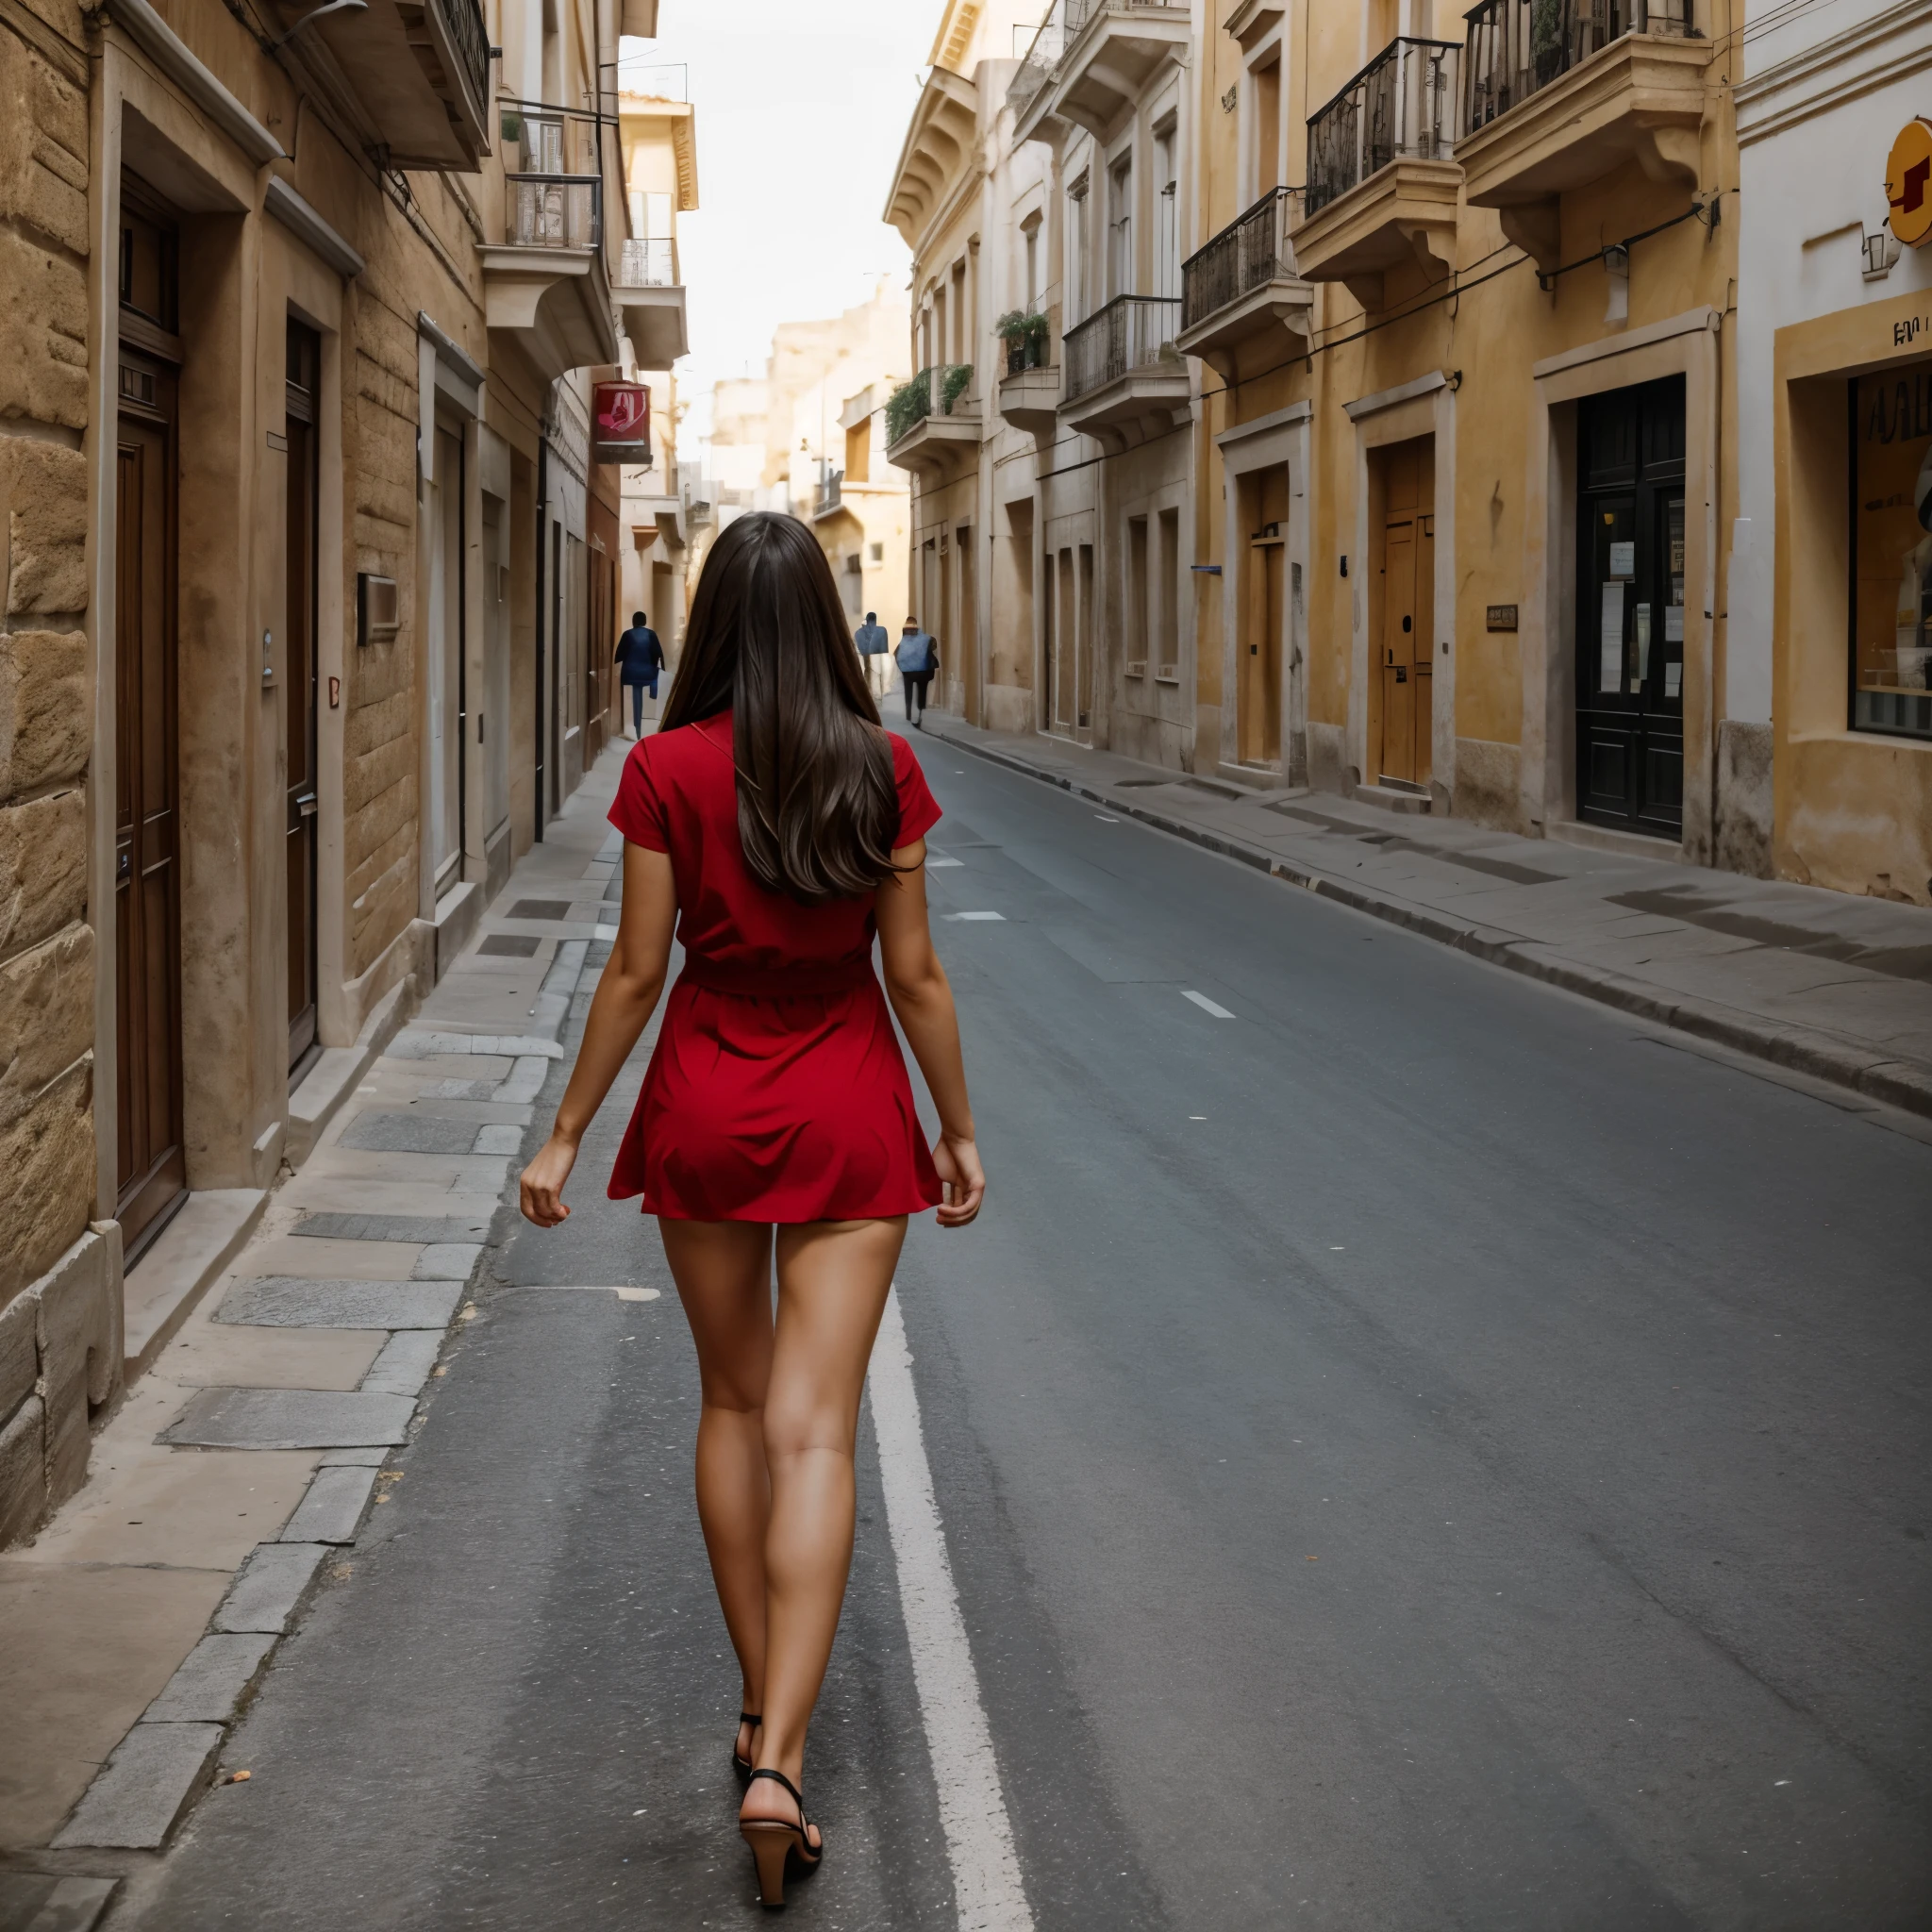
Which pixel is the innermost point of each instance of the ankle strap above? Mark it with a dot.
(750, 1717)
(778, 1778)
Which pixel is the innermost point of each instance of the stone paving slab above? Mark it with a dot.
(213, 1678)
(333, 1507)
(290, 1419)
(416, 1045)
(144, 1788)
(404, 1363)
(409, 1133)
(41, 1902)
(296, 1301)
(447, 1262)
(431, 1229)
(357, 1457)
(263, 1597)
(499, 1139)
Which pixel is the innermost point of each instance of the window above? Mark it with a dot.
(1167, 602)
(877, 551)
(1265, 93)
(1136, 596)
(1119, 227)
(1076, 249)
(1166, 229)
(1892, 551)
(1031, 234)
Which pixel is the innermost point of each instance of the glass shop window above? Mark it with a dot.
(1892, 551)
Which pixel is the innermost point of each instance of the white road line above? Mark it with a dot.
(972, 1808)
(973, 915)
(938, 864)
(1207, 1005)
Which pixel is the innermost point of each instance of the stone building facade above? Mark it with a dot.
(302, 565)
(1384, 404)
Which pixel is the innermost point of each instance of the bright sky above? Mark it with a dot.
(802, 105)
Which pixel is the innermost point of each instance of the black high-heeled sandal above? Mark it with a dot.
(742, 1765)
(774, 1844)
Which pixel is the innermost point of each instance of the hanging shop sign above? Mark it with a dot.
(621, 420)
(1908, 183)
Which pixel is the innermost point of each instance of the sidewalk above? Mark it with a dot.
(134, 1628)
(1834, 987)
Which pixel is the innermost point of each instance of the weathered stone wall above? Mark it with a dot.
(59, 1282)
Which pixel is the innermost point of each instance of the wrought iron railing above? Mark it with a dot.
(1516, 47)
(462, 21)
(1061, 28)
(1129, 333)
(650, 263)
(1249, 253)
(934, 391)
(552, 176)
(831, 493)
(1403, 105)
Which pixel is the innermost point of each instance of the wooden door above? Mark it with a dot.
(1257, 723)
(1631, 609)
(151, 1164)
(1398, 650)
(1423, 660)
(299, 690)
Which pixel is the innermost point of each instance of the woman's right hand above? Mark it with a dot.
(540, 1195)
(958, 1167)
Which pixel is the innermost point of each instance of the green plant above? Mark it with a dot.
(910, 402)
(954, 385)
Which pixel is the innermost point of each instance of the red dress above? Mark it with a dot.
(778, 1091)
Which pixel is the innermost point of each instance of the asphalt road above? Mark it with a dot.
(1423, 1452)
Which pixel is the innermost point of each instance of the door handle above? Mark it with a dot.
(123, 864)
(307, 806)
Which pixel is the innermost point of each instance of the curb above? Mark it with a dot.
(1802, 1049)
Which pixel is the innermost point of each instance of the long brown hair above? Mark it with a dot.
(817, 802)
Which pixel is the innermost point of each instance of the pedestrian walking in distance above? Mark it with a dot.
(641, 657)
(875, 647)
(918, 658)
(780, 829)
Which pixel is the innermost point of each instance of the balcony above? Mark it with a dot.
(544, 282)
(937, 152)
(650, 295)
(1382, 185)
(1243, 287)
(830, 500)
(1557, 93)
(1125, 378)
(932, 424)
(1091, 61)
(418, 71)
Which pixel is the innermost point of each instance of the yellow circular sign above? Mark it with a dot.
(1908, 183)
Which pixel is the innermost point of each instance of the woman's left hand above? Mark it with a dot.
(540, 1195)
(959, 1164)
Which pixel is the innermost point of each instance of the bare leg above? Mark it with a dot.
(723, 1275)
(833, 1281)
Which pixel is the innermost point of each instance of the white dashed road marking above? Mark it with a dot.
(973, 915)
(972, 1808)
(1207, 1005)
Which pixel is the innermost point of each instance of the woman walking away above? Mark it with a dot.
(781, 828)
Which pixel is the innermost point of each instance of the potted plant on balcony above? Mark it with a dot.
(910, 402)
(1024, 336)
(953, 385)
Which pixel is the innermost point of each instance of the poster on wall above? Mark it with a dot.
(621, 424)
(1891, 536)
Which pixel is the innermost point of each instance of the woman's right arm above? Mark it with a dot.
(626, 997)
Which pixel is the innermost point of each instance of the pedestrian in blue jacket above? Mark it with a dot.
(918, 658)
(640, 656)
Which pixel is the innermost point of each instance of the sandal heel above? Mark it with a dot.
(772, 1845)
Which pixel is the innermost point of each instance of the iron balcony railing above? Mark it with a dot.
(1248, 254)
(462, 21)
(1129, 333)
(1061, 28)
(650, 263)
(934, 391)
(1402, 106)
(1516, 47)
(552, 176)
(831, 491)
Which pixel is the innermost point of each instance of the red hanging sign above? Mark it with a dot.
(620, 423)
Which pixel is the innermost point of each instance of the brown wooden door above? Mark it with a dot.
(151, 1165)
(299, 691)
(1398, 650)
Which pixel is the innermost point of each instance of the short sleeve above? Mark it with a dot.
(919, 811)
(637, 810)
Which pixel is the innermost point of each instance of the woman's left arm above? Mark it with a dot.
(627, 994)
